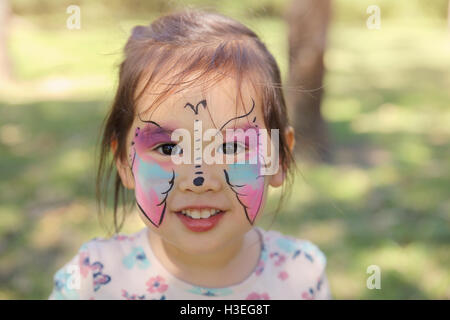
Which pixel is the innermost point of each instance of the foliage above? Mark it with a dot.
(384, 201)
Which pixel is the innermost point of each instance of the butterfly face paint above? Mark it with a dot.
(153, 180)
(244, 177)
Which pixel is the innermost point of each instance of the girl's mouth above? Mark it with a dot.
(200, 220)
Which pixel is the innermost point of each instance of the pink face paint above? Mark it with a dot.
(148, 137)
(246, 182)
(153, 180)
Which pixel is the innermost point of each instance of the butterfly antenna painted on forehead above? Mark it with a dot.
(151, 114)
(148, 121)
(239, 117)
(195, 108)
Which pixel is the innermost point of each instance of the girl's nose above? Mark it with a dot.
(198, 180)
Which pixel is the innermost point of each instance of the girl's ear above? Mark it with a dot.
(277, 179)
(123, 169)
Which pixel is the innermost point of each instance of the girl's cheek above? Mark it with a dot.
(153, 181)
(143, 144)
(248, 185)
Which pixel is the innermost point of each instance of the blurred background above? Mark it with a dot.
(374, 169)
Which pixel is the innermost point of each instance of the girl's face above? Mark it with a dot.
(198, 206)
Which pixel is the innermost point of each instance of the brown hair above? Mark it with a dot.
(190, 41)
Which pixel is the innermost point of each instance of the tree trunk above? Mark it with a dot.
(308, 23)
(5, 63)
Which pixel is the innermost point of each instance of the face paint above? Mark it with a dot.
(150, 136)
(246, 182)
(198, 180)
(153, 181)
(195, 108)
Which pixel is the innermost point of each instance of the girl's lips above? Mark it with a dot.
(200, 225)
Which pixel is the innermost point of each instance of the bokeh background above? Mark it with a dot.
(383, 200)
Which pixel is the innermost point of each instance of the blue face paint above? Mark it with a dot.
(152, 182)
(246, 182)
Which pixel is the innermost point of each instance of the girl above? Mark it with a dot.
(184, 75)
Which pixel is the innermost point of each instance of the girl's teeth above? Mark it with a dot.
(195, 214)
(200, 214)
(205, 214)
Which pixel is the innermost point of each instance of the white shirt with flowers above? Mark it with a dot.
(124, 267)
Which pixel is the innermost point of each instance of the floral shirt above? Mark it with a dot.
(124, 267)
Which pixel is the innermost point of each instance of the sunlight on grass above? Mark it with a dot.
(341, 109)
(323, 233)
(384, 175)
(74, 162)
(390, 118)
(10, 219)
(11, 134)
(425, 273)
(347, 286)
(347, 182)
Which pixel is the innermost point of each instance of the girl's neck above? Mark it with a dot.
(237, 260)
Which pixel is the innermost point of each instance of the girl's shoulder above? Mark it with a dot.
(297, 251)
(95, 264)
(114, 246)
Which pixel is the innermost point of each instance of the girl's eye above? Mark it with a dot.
(168, 149)
(231, 148)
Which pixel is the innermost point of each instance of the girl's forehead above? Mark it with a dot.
(214, 105)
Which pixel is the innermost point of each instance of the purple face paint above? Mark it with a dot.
(149, 137)
(153, 179)
(246, 182)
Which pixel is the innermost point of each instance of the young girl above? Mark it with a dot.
(186, 80)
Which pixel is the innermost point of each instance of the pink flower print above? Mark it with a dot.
(279, 258)
(156, 284)
(257, 296)
(308, 295)
(122, 237)
(259, 268)
(283, 275)
(128, 296)
(84, 264)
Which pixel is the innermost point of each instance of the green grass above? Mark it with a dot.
(384, 201)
